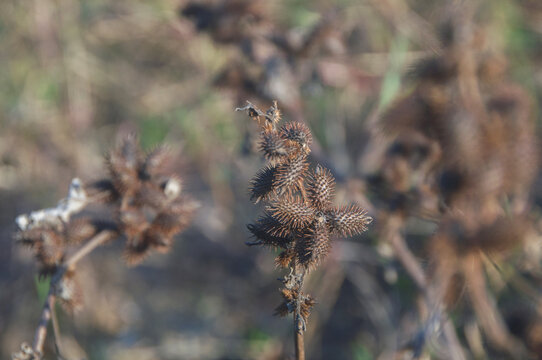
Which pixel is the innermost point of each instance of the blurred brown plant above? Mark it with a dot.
(459, 150)
(142, 202)
(299, 218)
(272, 62)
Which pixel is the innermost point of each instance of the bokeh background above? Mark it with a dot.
(78, 75)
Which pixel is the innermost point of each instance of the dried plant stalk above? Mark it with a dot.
(300, 217)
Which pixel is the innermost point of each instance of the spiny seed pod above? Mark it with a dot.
(278, 179)
(49, 251)
(314, 246)
(292, 212)
(272, 146)
(297, 135)
(349, 220)
(270, 232)
(123, 164)
(289, 174)
(321, 188)
(156, 161)
(262, 185)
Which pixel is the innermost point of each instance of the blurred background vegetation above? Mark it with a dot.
(77, 75)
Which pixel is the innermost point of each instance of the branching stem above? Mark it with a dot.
(47, 312)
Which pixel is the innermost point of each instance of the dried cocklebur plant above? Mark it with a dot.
(266, 58)
(300, 218)
(144, 204)
(461, 151)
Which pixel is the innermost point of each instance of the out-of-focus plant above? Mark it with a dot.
(140, 201)
(459, 149)
(273, 62)
(300, 218)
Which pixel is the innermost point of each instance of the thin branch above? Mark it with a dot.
(408, 260)
(299, 342)
(46, 314)
(41, 331)
(299, 328)
(485, 308)
(56, 330)
(93, 243)
(432, 299)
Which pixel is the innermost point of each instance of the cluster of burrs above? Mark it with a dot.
(300, 217)
(149, 205)
(143, 203)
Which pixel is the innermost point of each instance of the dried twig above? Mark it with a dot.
(47, 312)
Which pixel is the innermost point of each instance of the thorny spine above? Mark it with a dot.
(299, 217)
(149, 209)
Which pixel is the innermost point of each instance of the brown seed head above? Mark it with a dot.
(289, 174)
(297, 136)
(349, 220)
(292, 212)
(314, 246)
(321, 188)
(272, 146)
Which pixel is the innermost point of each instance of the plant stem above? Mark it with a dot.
(299, 341)
(56, 330)
(46, 313)
(299, 328)
(92, 244)
(41, 331)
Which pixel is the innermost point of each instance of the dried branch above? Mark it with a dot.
(46, 314)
